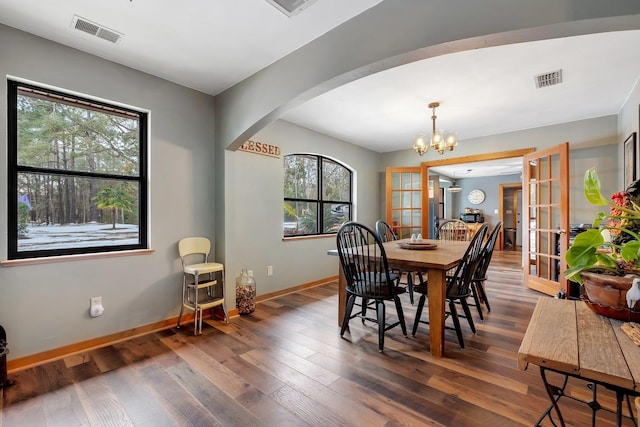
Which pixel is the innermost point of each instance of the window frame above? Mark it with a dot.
(14, 169)
(320, 201)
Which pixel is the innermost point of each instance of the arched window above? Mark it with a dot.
(317, 195)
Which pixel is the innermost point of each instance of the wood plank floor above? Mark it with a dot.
(286, 365)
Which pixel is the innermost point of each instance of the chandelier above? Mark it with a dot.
(440, 140)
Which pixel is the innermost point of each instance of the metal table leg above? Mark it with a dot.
(555, 393)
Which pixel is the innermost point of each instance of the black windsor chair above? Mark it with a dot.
(386, 234)
(458, 286)
(366, 270)
(480, 276)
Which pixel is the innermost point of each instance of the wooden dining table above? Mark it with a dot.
(434, 262)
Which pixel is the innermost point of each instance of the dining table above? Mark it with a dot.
(434, 260)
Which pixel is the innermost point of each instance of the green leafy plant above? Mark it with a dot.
(590, 250)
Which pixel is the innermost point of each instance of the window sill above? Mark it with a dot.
(79, 257)
(318, 236)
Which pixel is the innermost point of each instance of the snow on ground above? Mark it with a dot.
(45, 237)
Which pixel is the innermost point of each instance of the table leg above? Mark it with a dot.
(342, 294)
(437, 289)
(552, 391)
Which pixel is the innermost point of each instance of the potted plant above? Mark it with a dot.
(606, 267)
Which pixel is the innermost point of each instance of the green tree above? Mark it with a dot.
(112, 199)
(23, 219)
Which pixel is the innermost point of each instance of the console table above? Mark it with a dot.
(566, 337)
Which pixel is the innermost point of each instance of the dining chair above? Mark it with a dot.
(366, 270)
(458, 287)
(480, 276)
(202, 281)
(386, 234)
(453, 229)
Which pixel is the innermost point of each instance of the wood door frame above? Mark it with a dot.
(515, 186)
(424, 168)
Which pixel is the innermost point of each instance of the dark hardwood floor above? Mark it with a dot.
(286, 365)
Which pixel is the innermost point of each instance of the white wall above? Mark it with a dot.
(46, 306)
(254, 208)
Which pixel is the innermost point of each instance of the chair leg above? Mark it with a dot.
(423, 298)
(226, 314)
(184, 295)
(483, 293)
(365, 303)
(456, 322)
(410, 285)
(180, 315)
(196, 293)
(467, 313)
(474, 293)
(347, 313)
(403, 325)
(380, 309)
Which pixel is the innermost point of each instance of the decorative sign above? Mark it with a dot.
(261, 148)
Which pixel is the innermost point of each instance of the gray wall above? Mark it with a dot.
(490, 185)
(46, 306)
(254, 209)
(592, 143)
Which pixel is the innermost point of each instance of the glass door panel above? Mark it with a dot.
(404, 200)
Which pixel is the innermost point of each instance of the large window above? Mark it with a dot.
(77, 174)
(317, 195)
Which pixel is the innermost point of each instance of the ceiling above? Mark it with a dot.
(210, 46)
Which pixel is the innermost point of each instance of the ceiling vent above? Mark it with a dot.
(291, 7)
(548, 79)
(95, 29)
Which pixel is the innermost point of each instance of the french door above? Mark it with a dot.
(404, 200)
(546, 219)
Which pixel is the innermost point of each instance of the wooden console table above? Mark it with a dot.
(567, 337)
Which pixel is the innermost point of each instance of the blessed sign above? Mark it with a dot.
(261, 148)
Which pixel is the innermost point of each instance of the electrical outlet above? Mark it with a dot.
(269, 270)
(250, 273)
(96, 301)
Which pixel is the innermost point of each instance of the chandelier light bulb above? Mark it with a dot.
(421, 145)
(436, 139)
(451, 141)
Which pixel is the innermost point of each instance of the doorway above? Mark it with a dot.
(465, 159)
(510, 211)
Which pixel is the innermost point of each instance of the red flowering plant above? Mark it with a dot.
(618, 256)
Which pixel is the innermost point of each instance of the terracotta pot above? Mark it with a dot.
(607, 295)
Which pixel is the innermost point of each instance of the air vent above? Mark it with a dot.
(95, 29)
(290, 7)
(548, 79)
